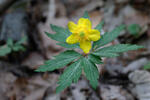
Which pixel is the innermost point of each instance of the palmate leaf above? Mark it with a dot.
(91, 72)
(71, 74)
(59, 61)
(108, 37)
(111, 51)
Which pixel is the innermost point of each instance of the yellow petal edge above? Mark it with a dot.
(83, 34)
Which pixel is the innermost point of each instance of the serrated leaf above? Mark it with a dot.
(60, 61)
(95, 59)
(91, 72)
(69, 46)
(120, 48)
(4, 50)
(60, 35)
(111, 51)
(103, 53)
(57, 36)
(85, 15)
(108, 37)
(71, 74)
(61, 30)
(68, 54)
(100, 25)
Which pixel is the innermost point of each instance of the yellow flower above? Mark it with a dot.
(83, 34)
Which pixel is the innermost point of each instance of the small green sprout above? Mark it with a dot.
(147, 66)
(134, 29)
(87, 61)
(11, 46)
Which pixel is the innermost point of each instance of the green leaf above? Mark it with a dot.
(147, 66)
(56, 36)
(4, 50)
(134, 29)
(95, 59)
(18, 47)
(111, 51)
(85, 15)
(91, 72)
(119, 48)
(71, 74)
(68, 54)
(105, 54)
(100, 25)
(60, 30)
(23, 40)
(10, 42)
(60, 35)
(69, 46)
(108, 37)
(60, 61)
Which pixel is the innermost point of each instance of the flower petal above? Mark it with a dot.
(85, 22)
(85, 46)
(72, 27)
(72, 39)
(94, 35)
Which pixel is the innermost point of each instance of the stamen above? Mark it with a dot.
(82, 34)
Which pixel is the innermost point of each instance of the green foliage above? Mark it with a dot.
(23, 40)
(91, 72)
(71, 74)
(69, 46)
(18, 47)
(86, 15)
(108, 37)
(95, 59)
(134, 29)
(11, 46)
(105, 54)
(4, 50)
(61, 36)
(111, 51)
(60, 30)
(147, 66)
(10, 42)
(100, 26)
(75, 62)
(59, 61)
(120, 48)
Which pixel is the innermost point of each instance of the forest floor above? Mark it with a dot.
(121, 78)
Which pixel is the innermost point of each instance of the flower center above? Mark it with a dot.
(82, 34)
